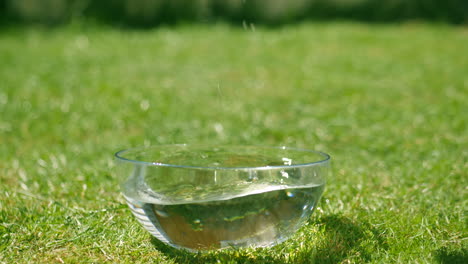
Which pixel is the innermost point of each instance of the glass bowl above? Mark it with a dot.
(202, 197)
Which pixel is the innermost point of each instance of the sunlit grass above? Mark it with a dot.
(388, 102)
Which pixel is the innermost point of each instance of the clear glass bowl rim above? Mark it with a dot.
(119, 155)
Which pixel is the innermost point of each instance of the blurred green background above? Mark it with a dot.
(388, 101)
(155, 12)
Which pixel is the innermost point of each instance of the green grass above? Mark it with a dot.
(388, 102)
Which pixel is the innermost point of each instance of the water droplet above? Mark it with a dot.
(287, 161)
(197, 225)
(284, 174)
(290, 194)
(219, 129)
(305, 207)
(144, 105)
(161, 213)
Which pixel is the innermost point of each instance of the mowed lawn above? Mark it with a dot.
(389, 103)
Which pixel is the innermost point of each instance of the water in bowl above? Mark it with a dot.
(258, 215)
